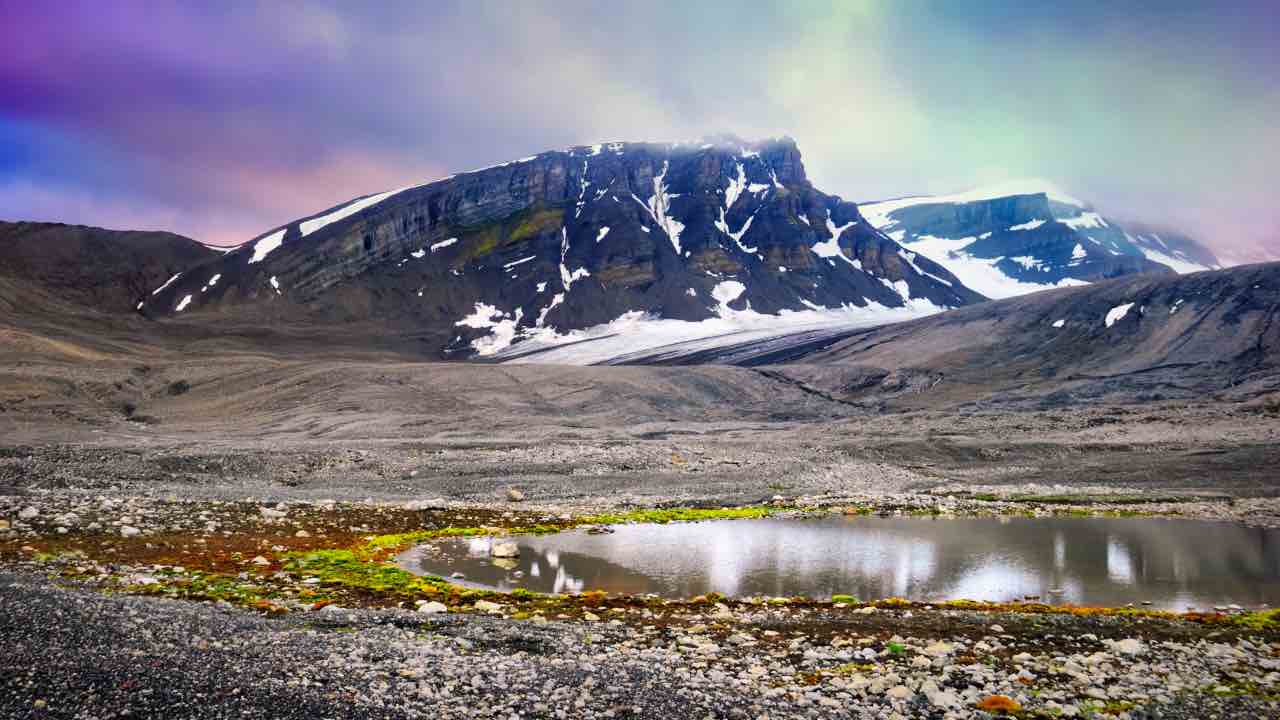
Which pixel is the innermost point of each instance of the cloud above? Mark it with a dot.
(232, 119)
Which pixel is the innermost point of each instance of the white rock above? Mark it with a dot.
(129, 531)
(259, 560)
(505, 550)
(1128, 646)
(900, 692)
(433, 608)
(487, 606)
(514, 495)
(28, 513)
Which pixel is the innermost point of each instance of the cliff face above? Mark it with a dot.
(570, 239)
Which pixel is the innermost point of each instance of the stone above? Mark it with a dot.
(130, 531)
(433, 608)
(259, 560)
(271, 514)
(1128, 646)
(939, 649)
(302, 534)
(27, 513)
(505, 550)
(4, 524)
(899, 692)
(487, 606)
(515, 495)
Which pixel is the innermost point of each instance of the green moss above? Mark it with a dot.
(847, 599)
(678, 515)
(536, 222)
(1261, 620)
(350, 570)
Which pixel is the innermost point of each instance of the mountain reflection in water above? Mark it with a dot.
(1173, 564)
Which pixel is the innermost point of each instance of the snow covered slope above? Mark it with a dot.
(1026, 236)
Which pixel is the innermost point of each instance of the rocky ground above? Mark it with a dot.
(127, 604)
(209, 539)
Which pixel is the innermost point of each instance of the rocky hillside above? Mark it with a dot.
(572, 239)
(108, 270)
(1145, 337)
(1025, 237)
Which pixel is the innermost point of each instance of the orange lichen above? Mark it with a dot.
(999, 704)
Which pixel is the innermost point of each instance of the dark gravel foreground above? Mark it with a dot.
(75, 654)
(71, 653)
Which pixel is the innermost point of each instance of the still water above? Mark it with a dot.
(1172, 564)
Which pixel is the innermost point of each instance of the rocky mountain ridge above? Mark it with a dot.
(576, 238)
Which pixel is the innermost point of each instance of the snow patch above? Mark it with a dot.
(306, 227)
(830, 247)
(1027, 225)
(602, 233)
(726, 292)
(501, 326)
(275, 284)
(182, 304)
(978, 274)
(166, 284)
(443, 244)
(660, 205)
(521, 261)
(1059, 323)
(266, 245)
(1117, 313)
(419, 254)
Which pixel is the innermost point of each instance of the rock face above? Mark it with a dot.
(570, 239)
(108, 270)
(1014, 240)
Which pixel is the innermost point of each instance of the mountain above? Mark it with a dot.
(703, 238)
(108, 270)
(1027, 236)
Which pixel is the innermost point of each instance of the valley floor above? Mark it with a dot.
(204, 539)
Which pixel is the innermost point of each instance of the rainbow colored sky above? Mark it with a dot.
(220, 120)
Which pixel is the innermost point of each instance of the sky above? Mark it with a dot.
(222, 120)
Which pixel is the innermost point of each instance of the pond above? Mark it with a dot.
(1168, 563)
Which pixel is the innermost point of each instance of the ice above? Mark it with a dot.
(1117, 313)
(638, 333)
(266, 245)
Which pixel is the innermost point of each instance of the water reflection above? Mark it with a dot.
(1090, 561)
